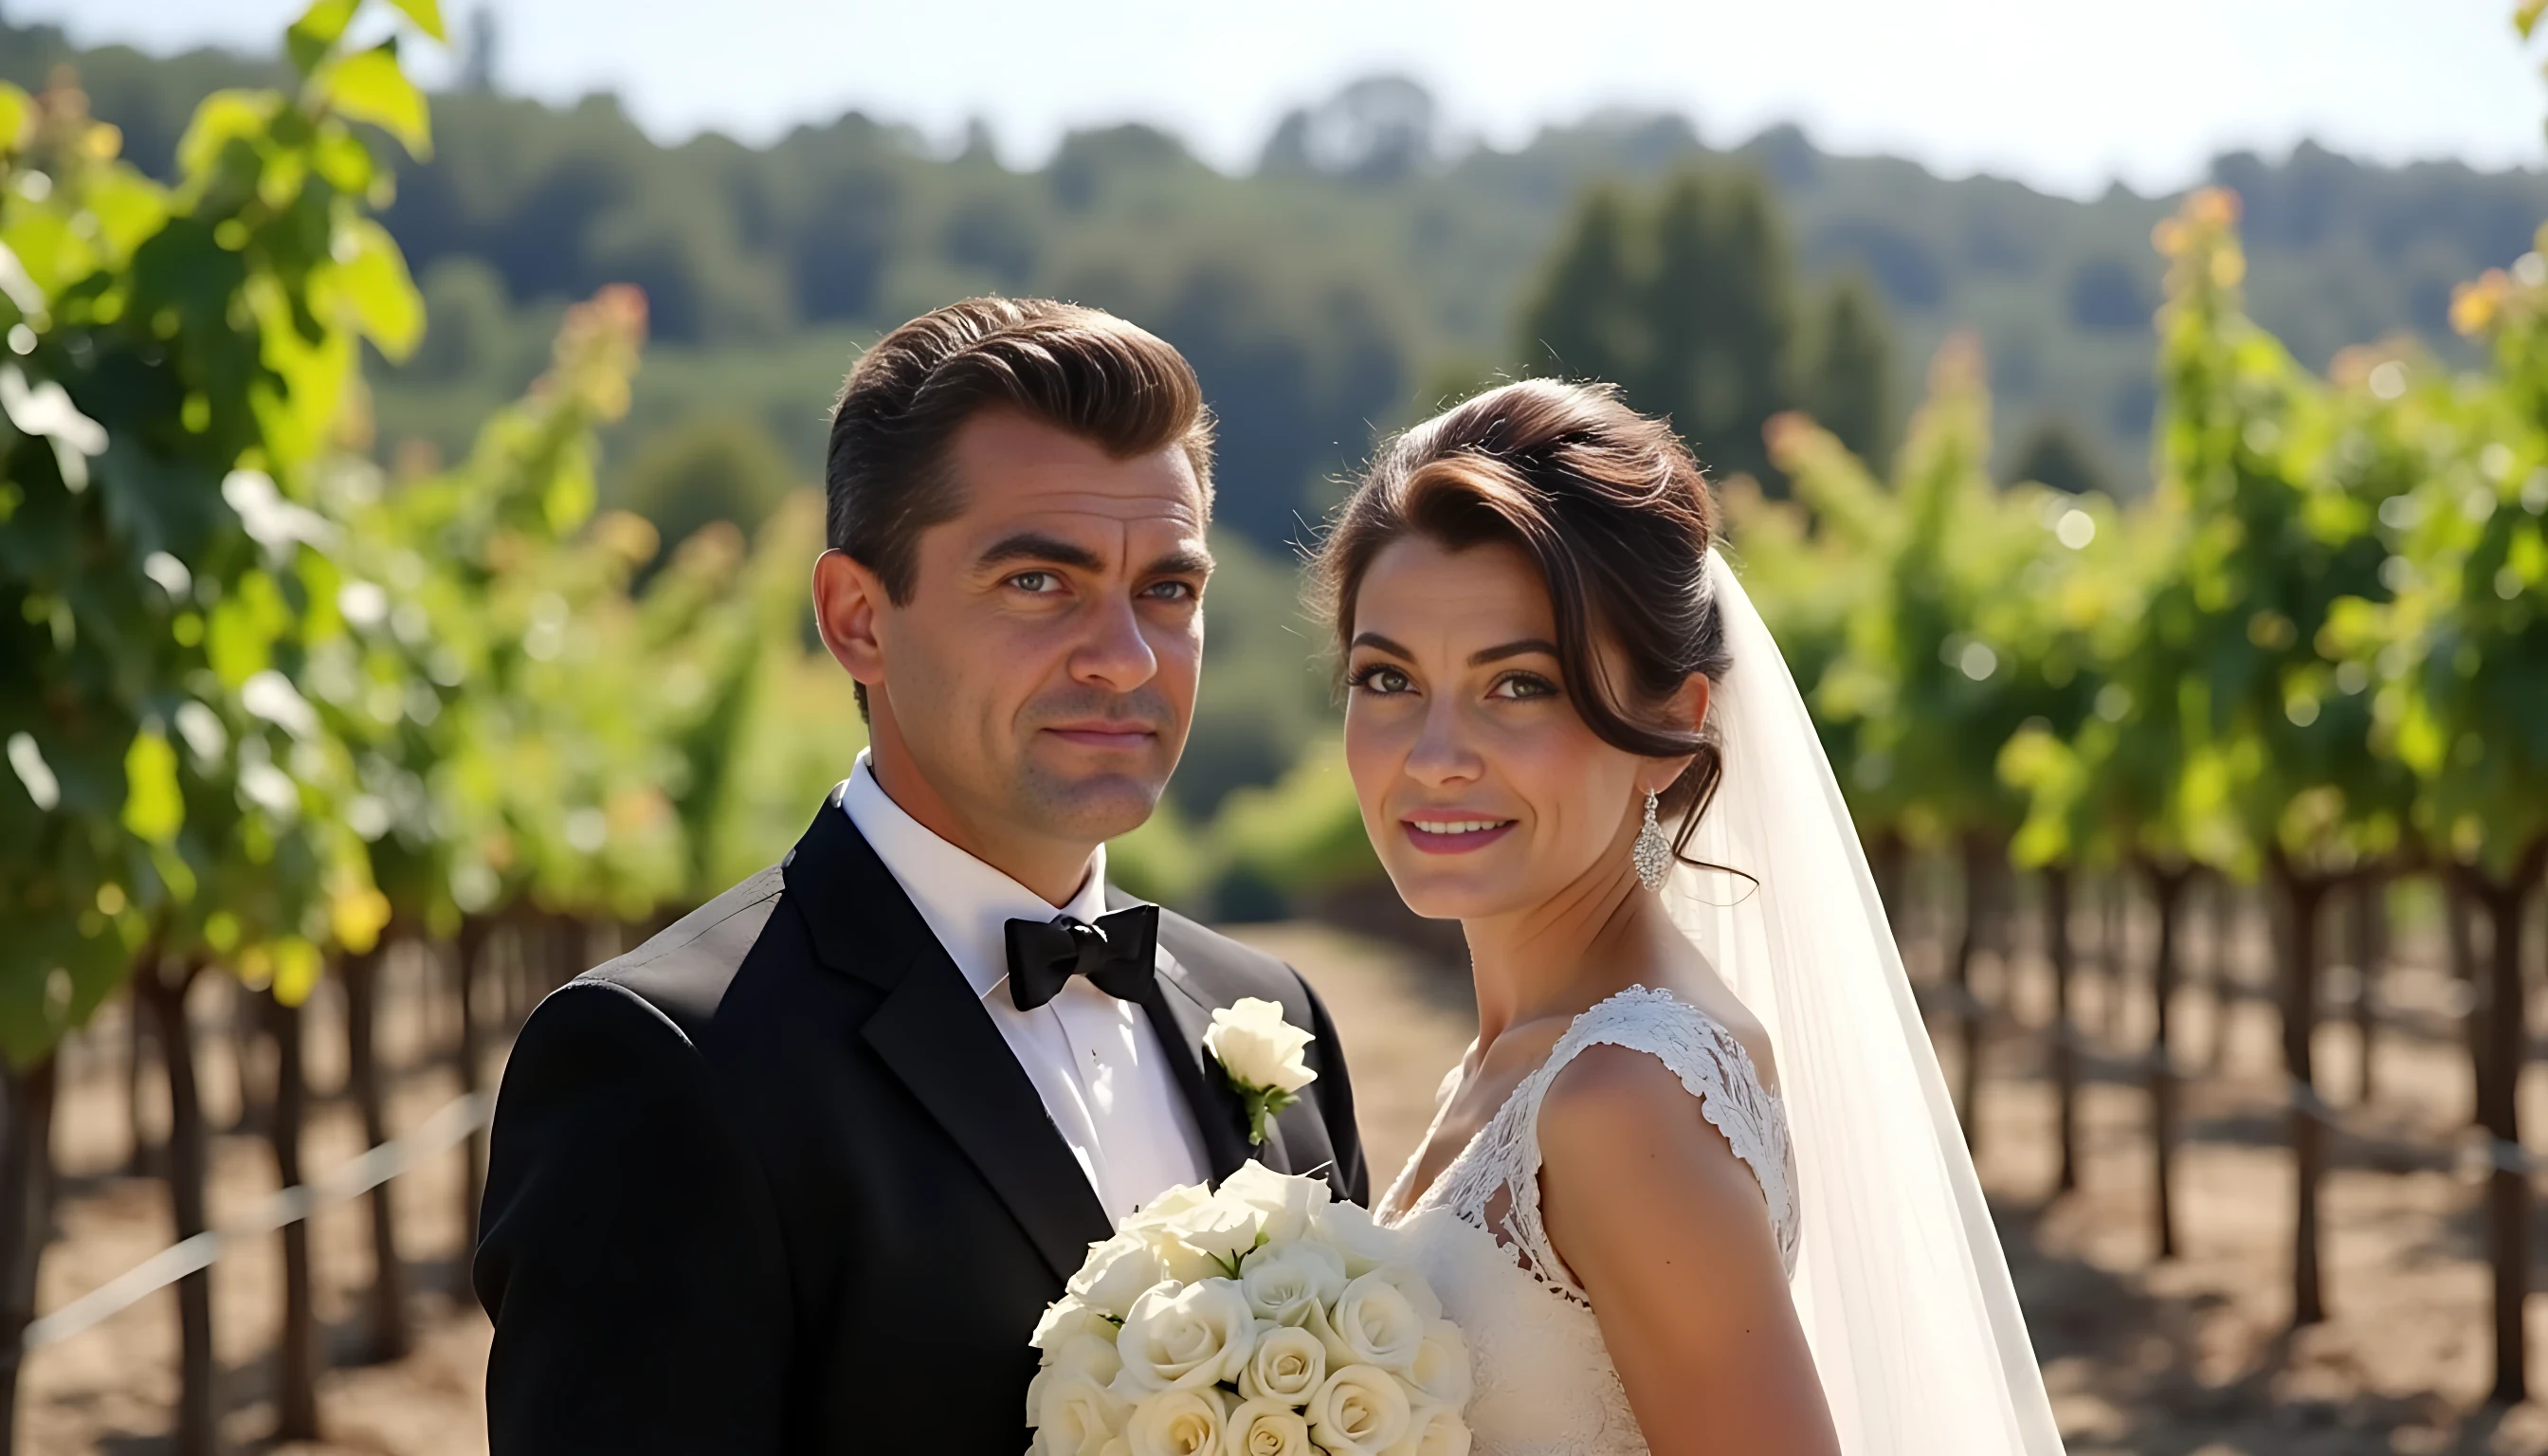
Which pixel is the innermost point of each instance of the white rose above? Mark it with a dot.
(1361, 1411)
(1282, 1282)
(1065, 1317)
(1167, 1206)
(1419, 1295)
(1287, 1200)
(1076, 1418)
(1116, 1273)
(1440, 1373)
(1177, 1423)
(1221, 1231)
(1179, 1263)
(1349, 1229)
(1185, 1337)
(1254, 1043)
(1376, 1324)
(1287, 1366)
(1081, 1356)
(1433, 1430)
(1266, 1429)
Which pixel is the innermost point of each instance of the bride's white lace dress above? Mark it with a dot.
(1545, 1384)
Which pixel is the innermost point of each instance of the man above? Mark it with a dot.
(800, 1173)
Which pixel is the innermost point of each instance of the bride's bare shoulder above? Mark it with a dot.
(1618, 1126)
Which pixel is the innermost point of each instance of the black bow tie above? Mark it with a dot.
(1115, 954)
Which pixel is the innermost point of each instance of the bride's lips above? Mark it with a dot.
(1448, 834)
(1099, 733)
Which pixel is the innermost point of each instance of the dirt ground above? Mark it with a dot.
(2188, 1358)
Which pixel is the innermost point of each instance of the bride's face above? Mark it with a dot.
(1482, 788)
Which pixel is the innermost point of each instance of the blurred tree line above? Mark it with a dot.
(1363, 263)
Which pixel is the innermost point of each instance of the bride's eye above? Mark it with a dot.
(1523, 685)
(1380, 678)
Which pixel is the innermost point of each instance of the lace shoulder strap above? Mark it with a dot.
(1716, 1068)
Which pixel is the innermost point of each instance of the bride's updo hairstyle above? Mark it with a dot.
(1611, 506)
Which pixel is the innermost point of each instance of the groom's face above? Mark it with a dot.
(1041, 678)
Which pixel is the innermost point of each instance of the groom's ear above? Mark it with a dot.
(846, 599)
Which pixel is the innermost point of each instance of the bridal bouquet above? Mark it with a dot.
(1263, 1320)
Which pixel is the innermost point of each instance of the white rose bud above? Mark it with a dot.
(1117, 1272)
(1433, 1430)
(1287, 1200)
(1185, 1337)
(1266, 1429)
(1375, 1323)
(1361, 1411)
(1440, 1373)
(1076, 1418)
(1284, 1282)
(1178, 1423)
(1254, 1043)
(1287, 1366)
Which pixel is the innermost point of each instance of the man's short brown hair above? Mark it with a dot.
(1118, 386)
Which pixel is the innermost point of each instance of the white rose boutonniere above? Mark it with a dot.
(1260, 1054)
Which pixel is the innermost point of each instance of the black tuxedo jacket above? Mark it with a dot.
(773, 1182)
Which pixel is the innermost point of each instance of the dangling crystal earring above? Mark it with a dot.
(1653, 853)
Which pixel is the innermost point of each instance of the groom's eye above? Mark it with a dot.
(1171, 592)
(1035, 582)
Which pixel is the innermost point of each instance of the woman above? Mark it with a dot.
(1695, 1188)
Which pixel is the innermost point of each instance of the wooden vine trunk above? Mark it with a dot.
(2167, 896)
(2370, 944)
(2302, 896)
(26, 1219)
(2459, 909)
(2065, 1031)
(163, 990)
(476, 932)
(2499, 1110)
(296, 1393)
(386, 1308)
(1968, 1008)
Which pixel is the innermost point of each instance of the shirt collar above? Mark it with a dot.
(966, 903)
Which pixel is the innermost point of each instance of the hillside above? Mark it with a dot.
(1358, 272)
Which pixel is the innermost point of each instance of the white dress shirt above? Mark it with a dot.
(1096, 1062)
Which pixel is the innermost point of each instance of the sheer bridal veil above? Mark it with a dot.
(1901, 1285)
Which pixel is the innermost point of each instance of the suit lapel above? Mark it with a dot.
(935, 1036)
(1180, 1017)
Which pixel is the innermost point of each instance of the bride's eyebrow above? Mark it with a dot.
(1486, 655)
(1375, 640)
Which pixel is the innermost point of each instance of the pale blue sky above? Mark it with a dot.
(2060, 93)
